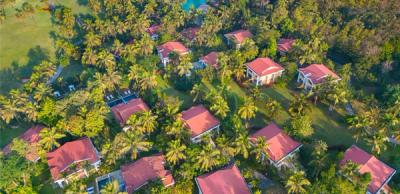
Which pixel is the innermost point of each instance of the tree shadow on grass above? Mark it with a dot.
(12, 77)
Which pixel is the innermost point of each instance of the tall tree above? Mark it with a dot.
(131, 142)
(175, 152)
(297, 183)
(49, 137)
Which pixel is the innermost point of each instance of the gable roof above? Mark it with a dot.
(285, 44)
(190, 33)
(318, 72)
(239, 36)
(279, 143)
(123, 111)
(224, 181)
(138, 173)
(172, 46)
(211, 59)
(75, 151)
(30, 136)
(264, 66)
(153, 29)
(199, 120)
(380, 172)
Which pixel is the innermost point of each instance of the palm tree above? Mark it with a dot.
(299, 106)
(148, 81)
(146, 44)
(111, 188)
(297, 182)
(272, 108)
(8, 109)
(175, 152)
(337, 95)
(320, 156)
(350, 169)
(131, 142)
(207, 158)
(185, 65)
(175, 128)
(242, 144)
(149, 121)
(378, 142)
(260, 149)
(220, 107)
(225, 146)
(92, 39)
(248, 110)
(41, 91)
(197, 92)
(89, 57)
(49, 137)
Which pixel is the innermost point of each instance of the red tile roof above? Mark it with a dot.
(172, 46)
(31, 136)
(224, 181)
(138, 173)
(153, 29)
(75, 151)
(264, 66)
(211, 59)
(380, 172)
(285, 44)
(279, 143)
(239, 36)
(199, 120)
(123, 111)
(190, 33)
(318, 72)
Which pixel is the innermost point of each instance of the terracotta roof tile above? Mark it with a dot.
(211, 59)
(145, 169)
(285, 44)
(123, 111)
(69, 153)
(172, 46)
(224, 181)
(199, 120)
(190, 33)
(279, 144)
(318, 72)
(240, 36)
(380, 172)
(264, 66)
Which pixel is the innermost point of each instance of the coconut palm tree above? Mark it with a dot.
(260, 149)
(131, 142)
(185, 65)
(148, 121)
(175, 128)
(49, 137)
(92, 39)
(175, 152)
(378, 142)
(225, 146)
(297, 183)
(220, 106)
(350, 169)
(272, 108)
(89, 56)
(299, 106)
(207, 158)
(197, 92)
(242, 144)
(111, 188)
(8, 109)
(41, 91)
(248, 110)
(148, 81)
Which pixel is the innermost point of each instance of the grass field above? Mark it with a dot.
(26, 41)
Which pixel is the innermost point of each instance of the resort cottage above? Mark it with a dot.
(140, 172)
(31, 137)
(190, 33)
(238, 37)
(263, 71)
(315, 74)
(73, 160)
(200, 122)
(228, 180)
(153, 31)
(380, 172)
(167, 48)
(211, 59)
(281, 147)
(284, 45)
(123, 111)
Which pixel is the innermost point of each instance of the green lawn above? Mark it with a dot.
(26, 41)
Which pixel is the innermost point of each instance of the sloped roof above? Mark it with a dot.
(318, 73)
(264, 66)
(30, 136)
(380, 172)
(172, 46)
(69, 153)
(153, 29)
(145, 169)
(285, 44)
(228, 180)
(190, 33)
(123, 111)
(239, 36)
(279, 143)
(199, 120)
(211, 59)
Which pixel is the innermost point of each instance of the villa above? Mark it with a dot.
(238, 37)
(200, 122)
(190, 33)
(263, 71)
(285, 44)
(140, 172)
(211, 59)
(72, 161)
(227, 180)
(315, 74)
(153, 31)
(123, 111)
(31, 137)
(380, 172)
(281, 147)
(167, 48)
